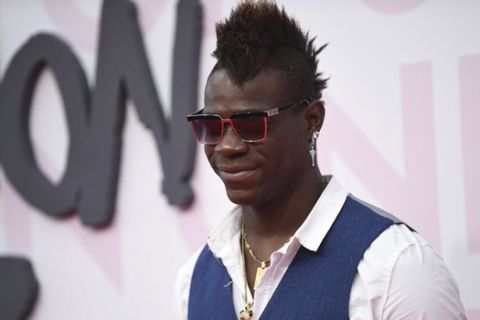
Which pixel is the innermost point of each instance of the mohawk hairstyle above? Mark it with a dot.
(255, 34)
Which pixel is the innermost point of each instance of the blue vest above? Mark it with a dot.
(315, 286)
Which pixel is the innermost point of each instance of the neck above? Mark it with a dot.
(270, 225)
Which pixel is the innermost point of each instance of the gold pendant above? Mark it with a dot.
(247, 312)
(246, 315)
(259, 274)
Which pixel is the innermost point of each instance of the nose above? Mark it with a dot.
(231, 144)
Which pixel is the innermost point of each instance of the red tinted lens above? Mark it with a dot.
(207, 130)
(251, 129)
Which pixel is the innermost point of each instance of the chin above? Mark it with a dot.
(243, 197)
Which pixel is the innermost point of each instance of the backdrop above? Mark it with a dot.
(400, 132)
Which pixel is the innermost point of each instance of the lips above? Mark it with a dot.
(236, 174)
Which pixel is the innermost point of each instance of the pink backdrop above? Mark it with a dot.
(402, 123)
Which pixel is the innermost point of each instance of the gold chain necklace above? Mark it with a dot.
(263, 264)
(247, 312)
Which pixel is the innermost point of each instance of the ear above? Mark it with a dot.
(314, 116)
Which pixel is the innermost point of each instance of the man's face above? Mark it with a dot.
(257, 173)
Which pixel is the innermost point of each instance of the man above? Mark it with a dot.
(297, 246)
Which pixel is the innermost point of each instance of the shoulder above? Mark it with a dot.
(401, 275)
(182, 286)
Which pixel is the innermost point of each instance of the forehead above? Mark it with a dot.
(265, 91)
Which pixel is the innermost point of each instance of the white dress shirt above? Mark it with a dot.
(399, 277)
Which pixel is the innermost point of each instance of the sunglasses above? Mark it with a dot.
(249, 126)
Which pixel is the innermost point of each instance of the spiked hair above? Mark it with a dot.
(258, 35)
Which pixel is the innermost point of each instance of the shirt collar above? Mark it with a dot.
(225, 234)
(313, 230)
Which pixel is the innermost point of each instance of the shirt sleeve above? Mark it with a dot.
(421, 287)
